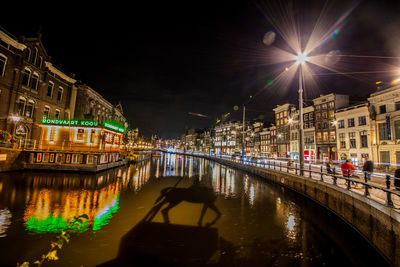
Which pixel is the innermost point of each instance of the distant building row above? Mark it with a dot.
(333, 130)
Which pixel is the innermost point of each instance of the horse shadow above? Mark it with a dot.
(163, 244)
(196, 193)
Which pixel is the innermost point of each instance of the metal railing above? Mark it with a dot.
(319, 172)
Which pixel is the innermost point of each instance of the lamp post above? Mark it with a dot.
(301, 58)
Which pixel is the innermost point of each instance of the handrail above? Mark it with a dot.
(307, 173)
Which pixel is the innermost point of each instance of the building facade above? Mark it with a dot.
(309, 134)
(282, 115)
(325, 130)
(353, 131)
(31, 88)
(385, 125)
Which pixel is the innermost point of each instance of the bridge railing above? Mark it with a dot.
(310, 172)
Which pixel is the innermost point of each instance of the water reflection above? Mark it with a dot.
(262, 224)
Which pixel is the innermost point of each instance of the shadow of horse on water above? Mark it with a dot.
(196, 193)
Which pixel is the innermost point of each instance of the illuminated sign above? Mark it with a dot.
(114, 127)
(70, 122)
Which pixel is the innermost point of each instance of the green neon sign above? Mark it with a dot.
(114, 127)
(70, 122)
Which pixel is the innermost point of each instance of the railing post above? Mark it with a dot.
(322, 174)
(366, 192)
(287, 168)
(280, 166)
(348, 184)
(365, 177)
(309, 170)
(389, 201)
(274, 165)
(387, 181)
(295, 166)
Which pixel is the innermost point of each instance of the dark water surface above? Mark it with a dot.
(260, 225)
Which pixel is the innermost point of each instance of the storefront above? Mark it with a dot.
(80, 135)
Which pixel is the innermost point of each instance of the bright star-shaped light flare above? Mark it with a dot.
(301, 58)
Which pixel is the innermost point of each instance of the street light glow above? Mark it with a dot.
(301, 58)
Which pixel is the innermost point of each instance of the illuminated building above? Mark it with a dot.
(80, 135)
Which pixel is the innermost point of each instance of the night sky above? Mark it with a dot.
(161, 61)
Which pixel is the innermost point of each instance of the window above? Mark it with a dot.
(331, 114)
(331, 105)
(319, 136)
(325, 136)
(306, 117)
(21, 106)
(318, 126)
(350, 122)
(50, 89)
(40, 62)
(332, 136)
(57, 114)
(29, 109)
(383, 135)
(26, 76)
(342, 140)
(318, 116)
(325, 125)
(352, 137)
(46, 112)
(3, 62)
(341, 124)
(362, 120)
(363, 139)
(318, 107)
(397, 129)
(325, 115)
(35, 81)
(60, 92)
(382, 109)
(28, 54)
(324, 106)
(34, 55)
(79, 135)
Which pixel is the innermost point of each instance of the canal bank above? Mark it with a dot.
(377, 222)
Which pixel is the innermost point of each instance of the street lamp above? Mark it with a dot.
(301, 58)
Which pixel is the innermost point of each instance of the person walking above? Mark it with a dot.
(368, 168)
(328, 167)
(347, 170)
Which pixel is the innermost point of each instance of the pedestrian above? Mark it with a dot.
(368, 168)
(328, 167)
(348, 168)
(397, 179)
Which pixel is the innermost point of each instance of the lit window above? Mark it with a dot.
(352, 137)
(79, 135)
(3, 62)
(21, 106)
(29, 109)
(46, 112)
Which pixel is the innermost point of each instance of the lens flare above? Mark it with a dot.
(332, 57)
(269, 38)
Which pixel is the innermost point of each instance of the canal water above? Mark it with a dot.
(261, 224)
